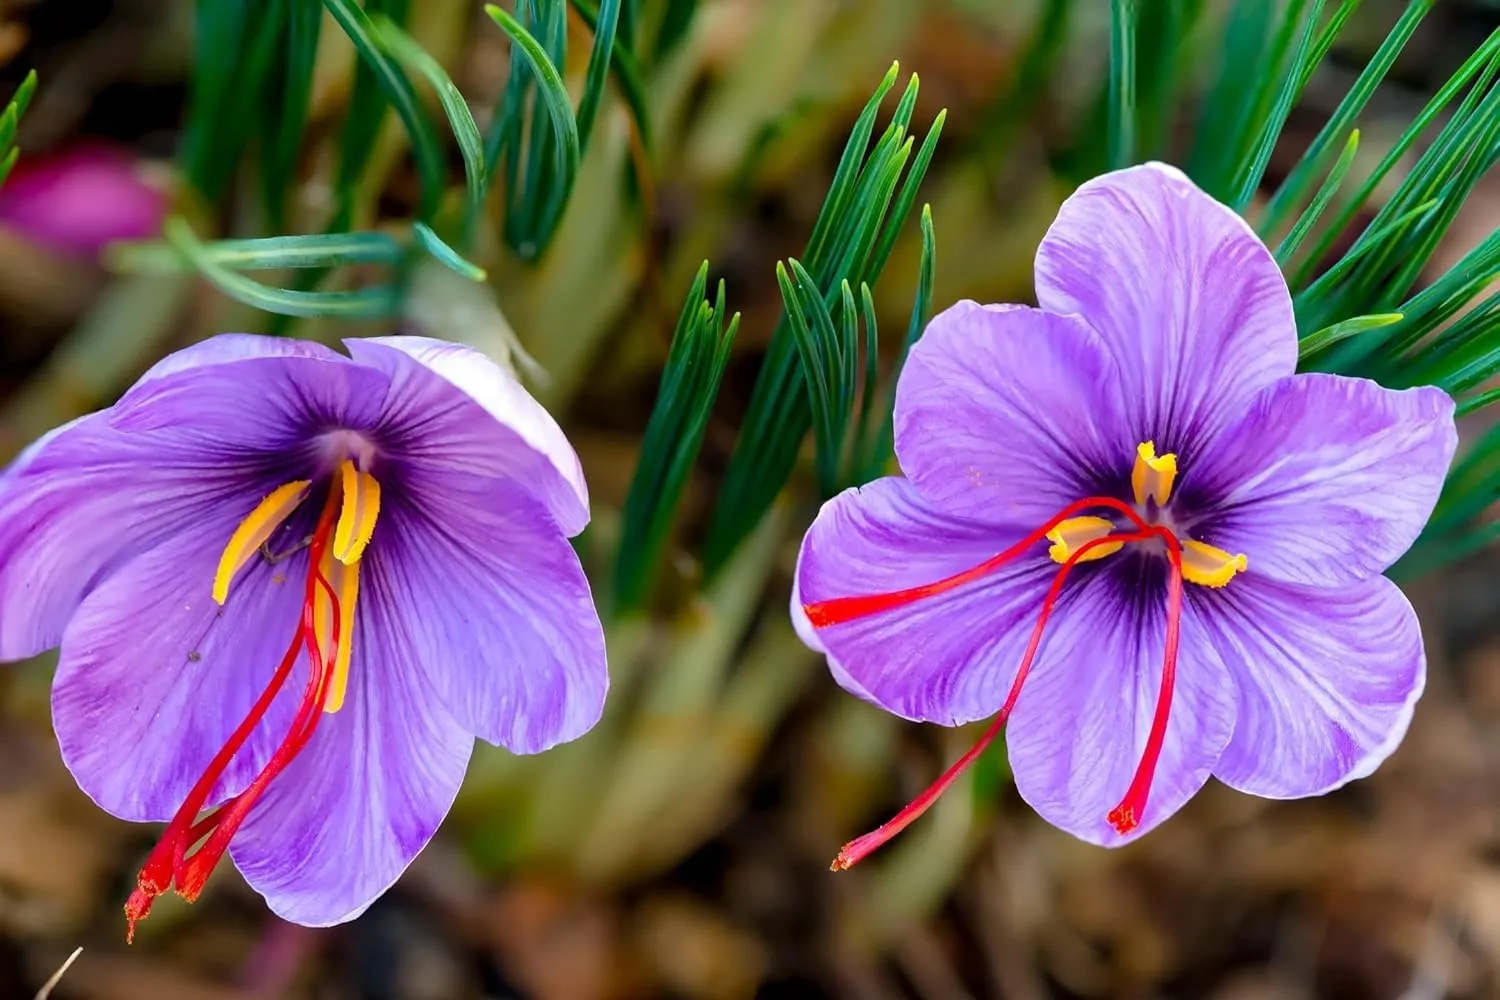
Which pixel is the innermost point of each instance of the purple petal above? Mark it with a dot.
(228, 348)
(217, 425)
(154, 676)
(1327, 678)
(948, 658)
(1081, 725)
(342, 822)
(251, 399)
(479, 583)
(1189, 302)
(465, 413)
(996, 413)
(1326, 480)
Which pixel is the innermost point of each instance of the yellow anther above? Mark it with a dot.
(344, 579)
(254, 531)
(357, 516)
(1153, 475)
(1074, 533)
(1210, 567)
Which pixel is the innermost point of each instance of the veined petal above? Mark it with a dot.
(243, 400)
(198, 435)
(1326, 480)
(997, 413)
(228, 348)
(479, 583)
(342, 822)
(154, 676)
(1081, 724)
(1328, 679)
(1190, 303)
(948, 658)
(452, 408)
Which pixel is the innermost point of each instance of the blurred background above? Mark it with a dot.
(681, 849)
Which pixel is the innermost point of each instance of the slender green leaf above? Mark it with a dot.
(627, 75)
(280, 148)
(536, 197)
(369, 303)
(433, 244)
(1301, 177)
(1480, 62)
(21, 100)
(1374, 238)
(220, 28)
(847, 244)
(921, 312)
(15, 109)
(1478, 401)
(1241, 80)
(470, 143)
(362, 122)
(869, 393)
(398, 90)
(1247, 179)
(1321, 340)
(600, 57)
(1288, 247)
(1122, 73)
(271, 253)
(690, 382)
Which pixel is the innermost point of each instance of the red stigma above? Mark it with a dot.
(1127, 815)
(846, 609)
(170, 862)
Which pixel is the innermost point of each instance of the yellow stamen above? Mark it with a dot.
(1153, 475)
(254, 531)
(1074, 533)
(344, 578)
(1203, 564)
(361, 508)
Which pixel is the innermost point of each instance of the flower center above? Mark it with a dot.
(324, 631)
(1075, 537)
(1151, 481)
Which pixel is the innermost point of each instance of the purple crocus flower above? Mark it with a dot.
(290, 587)
(1211, 601)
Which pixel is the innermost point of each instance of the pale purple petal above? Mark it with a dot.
(948, 658)
(190, 442)
(1327, 679)
(153, 676)
(1326, 480)
(339, 826)
(489, 597)
(451, 406)
(1189, 301)
(998, 410)
(227, 348)
(252, 399)
(1081, 725)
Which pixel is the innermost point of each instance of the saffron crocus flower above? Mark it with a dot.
(1128, 528)
(290, 588)
(81, 198)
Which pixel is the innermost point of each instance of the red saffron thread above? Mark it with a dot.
(1127, 815)
(169, 861)
(862, 847)
(839, 610)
